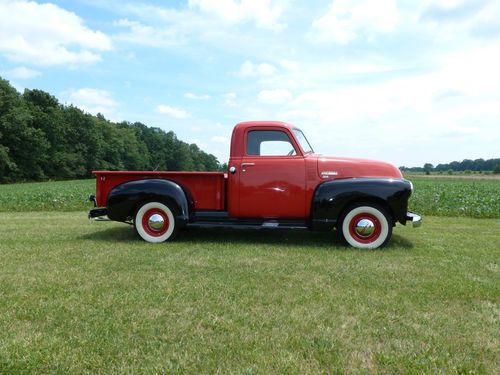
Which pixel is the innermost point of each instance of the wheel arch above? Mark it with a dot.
(332, 198)
(125, 199)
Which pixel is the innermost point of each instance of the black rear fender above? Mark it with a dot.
(331, 198)
(125, 199)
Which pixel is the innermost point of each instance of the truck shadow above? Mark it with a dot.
(299, 238)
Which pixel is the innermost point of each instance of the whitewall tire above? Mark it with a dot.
(155, 222)
(366, 226)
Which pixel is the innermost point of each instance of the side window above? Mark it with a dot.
(269, 143)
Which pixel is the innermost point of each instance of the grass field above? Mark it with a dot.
(47, 196)
(79, 296)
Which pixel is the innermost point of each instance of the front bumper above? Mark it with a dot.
(416, 219)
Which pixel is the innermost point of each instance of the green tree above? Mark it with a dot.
(23, 145)
(7, 166)
(41, 138)
(428, 167)
(223, 168)
(183, 160)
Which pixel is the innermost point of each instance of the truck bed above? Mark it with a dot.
(208, 189)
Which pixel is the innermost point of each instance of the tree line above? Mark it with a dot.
(42, 139)
(478, 165)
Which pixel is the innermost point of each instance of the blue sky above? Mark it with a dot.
(408, 82)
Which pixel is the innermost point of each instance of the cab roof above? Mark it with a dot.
(248, 124)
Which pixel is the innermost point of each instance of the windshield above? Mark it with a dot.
(303, 141)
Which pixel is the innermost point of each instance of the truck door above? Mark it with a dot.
(271, 176)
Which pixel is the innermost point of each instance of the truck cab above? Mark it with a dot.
(267, 172)
(274, 180)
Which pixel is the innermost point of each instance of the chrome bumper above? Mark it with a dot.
(414, 218)
(98, 213)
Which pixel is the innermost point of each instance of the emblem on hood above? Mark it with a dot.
(326, 174)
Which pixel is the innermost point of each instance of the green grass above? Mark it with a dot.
(456, 197)
(432, 196)
(79, 296)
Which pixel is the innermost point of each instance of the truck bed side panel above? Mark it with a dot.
(206, 188)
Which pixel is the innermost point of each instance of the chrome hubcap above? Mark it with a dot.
(365, 227)
(156, 222)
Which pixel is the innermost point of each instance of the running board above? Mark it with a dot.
(240, 224)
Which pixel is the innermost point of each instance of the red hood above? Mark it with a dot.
(330, 167)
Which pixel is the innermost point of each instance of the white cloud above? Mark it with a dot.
(209, 21)
(45, 34)
(190, 95)
(408, 110)
(140, 33)
(89, 95)
(289, 65)
(262, 12)
(347, 20)
(430, 85)
(470, 18)
(177, 113)
(433, 84)
(249, 69)
(276, 96)
(164, 27)
(229, 99)
(22, 72)
(94, 100)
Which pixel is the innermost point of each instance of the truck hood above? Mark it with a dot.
(330, 167)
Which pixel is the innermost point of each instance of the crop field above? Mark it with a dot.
(456, 197)
(89, 297)
(47, 196)
(437, 196)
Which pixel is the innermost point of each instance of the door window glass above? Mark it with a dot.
(269, 143)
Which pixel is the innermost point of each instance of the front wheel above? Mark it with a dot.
(366, 226)
(155, 222)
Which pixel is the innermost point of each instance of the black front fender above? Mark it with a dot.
(332, 197)
(124, 199)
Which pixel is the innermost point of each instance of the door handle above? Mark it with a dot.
(244, 165)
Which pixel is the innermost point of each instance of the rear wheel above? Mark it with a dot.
(366, 226)
(155, 222)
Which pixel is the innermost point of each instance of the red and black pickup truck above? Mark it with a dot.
(274, 180)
